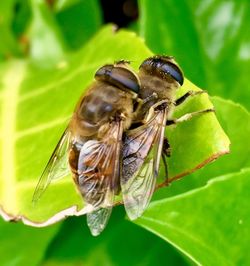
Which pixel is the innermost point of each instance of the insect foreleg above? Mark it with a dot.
(166, 149)
(165, 167)
(186, 96)
(166, 152)
(141, 102)
(189, 116)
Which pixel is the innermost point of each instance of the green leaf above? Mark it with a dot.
(21, 19)
(210, 225)
(60, 5)
(8, 43)
(42, 102)
(210, 40)
(78, 20)
(74, 245)
(46, 41)
(192, 141)
(229, 115)
(23, 245)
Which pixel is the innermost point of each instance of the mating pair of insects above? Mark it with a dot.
(115, 138)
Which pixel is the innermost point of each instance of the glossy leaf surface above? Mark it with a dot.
(219, 220)
(210, 39)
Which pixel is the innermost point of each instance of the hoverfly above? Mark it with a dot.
(142, 148)
(91, 143)
(145, 144)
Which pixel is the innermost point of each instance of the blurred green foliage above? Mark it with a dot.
(211, 42)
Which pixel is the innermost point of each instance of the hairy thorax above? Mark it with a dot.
(98, 107)
(155, 89)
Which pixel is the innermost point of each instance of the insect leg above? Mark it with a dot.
(151, 97)
(188, 116)
(186, 95)
(141, 102)
(73, 157)
(166, 148)
(142, 108)
(165, 167)
(166, 152)
(122, 62)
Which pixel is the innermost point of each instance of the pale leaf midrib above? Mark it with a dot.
(42, 127)
(11, 84)
(52, 85)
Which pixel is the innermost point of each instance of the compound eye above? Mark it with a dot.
(174, 71)
(162, 65)
(120, 77)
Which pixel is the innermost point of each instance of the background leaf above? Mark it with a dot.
(8, 43)
(219, 220)
(20, 22)
(23, 245)
(46, 41)
(209, 39)
(78, 20)
(122, 243)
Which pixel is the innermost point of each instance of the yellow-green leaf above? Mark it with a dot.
(36, 105)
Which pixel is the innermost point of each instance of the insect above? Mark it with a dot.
(115, 139)
(144, 145)
(91, 144)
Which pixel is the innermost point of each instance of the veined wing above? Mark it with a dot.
(57, 166)
(141, 159)
(98, 175)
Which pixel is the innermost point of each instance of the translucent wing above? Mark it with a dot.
(97, 220)
(98, 180)
(141, 159)
(57, 166)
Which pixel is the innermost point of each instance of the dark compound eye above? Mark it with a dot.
(173, 71)
(118, 76)
(161, 65)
